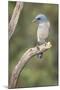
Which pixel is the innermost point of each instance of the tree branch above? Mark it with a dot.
(15, 17)
(24, 59)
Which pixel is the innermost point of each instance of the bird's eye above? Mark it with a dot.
(38, 18)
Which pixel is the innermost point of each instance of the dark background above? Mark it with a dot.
(37, 72)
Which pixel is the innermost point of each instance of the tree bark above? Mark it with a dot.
(14, 18)
(24, 59)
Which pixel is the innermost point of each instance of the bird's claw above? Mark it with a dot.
(38, 47)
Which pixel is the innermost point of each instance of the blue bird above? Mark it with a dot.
(43, 29)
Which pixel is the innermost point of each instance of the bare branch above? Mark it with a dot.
(24, 59)
(15, 17)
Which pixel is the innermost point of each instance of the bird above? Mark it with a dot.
(42, 30)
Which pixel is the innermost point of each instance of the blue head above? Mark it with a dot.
(41, 18)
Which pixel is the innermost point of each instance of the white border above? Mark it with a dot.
(4, 43)
(40, 1)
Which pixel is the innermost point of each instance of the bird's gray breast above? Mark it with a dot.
(43, 31)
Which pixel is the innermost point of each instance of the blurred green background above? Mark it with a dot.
(42, 72)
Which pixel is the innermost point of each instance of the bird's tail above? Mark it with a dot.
(39, 55)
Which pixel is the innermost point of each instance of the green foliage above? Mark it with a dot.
(37, 72)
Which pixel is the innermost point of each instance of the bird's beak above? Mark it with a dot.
(34, 20)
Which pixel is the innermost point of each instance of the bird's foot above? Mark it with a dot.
(45, 43)
(38, 47)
